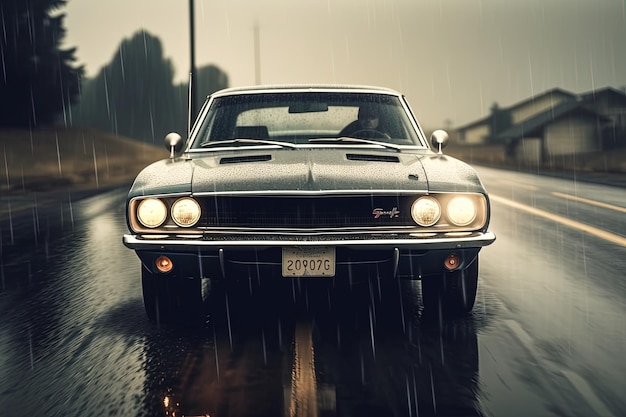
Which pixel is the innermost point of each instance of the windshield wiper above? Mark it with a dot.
(235, 142)
(356, 140)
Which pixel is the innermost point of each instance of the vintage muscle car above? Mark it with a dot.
(307, 183)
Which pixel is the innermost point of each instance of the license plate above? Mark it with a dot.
(315, 261)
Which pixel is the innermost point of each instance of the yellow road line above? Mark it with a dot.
(590, 202)
(303, 396)
(602, 234)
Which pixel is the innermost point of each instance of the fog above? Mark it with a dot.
(452, 58)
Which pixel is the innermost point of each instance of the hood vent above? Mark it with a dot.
(242, 159)
(372, 158)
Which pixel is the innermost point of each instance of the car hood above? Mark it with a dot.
(448, 174)
(311, 169)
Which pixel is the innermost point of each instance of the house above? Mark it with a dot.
(482, 131)
(610, 103)
(568, 128)
(553, 124)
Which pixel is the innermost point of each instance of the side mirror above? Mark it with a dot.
(174, 143)
(439, 139)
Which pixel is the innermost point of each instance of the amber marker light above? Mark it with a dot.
(452, 262)
(164, 264)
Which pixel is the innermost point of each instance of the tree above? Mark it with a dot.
(128, 95)
(500, 119)
(208, 79)
(134, 94)
(38, 80)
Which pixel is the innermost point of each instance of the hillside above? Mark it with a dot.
(76, 158)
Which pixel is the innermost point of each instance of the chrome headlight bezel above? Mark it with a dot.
(151, 213)
(426, 211)
(186, 212)
(459, 212)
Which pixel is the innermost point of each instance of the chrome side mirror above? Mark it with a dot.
(439, 140)
(174, 143)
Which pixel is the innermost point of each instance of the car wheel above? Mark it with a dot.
(168, 297)
(452, 293)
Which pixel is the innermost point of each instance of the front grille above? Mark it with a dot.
(306, 212)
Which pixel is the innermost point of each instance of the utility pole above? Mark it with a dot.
(192, 70)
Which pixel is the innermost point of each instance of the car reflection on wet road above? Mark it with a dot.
(546, 336)
(262, 356)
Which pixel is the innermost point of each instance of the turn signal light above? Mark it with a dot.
(164, 264)
(452, 262)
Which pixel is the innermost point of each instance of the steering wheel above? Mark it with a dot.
(369, 134)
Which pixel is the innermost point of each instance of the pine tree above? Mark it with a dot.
(134, 95)
(500, 120)
(38, 80)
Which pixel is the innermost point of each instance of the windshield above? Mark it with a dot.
(303, 118)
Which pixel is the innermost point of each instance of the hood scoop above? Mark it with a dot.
(372, 158)
(244, 159)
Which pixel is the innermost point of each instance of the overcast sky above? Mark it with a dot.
(452, 58)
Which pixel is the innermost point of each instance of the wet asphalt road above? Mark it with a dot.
(546, 337)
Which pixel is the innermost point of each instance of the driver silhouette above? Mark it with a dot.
(367, 124)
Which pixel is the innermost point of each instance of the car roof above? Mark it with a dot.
(335, 88)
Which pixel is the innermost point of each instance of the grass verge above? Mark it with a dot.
(70, 158)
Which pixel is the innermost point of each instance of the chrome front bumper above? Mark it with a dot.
(410, 256)
(410, 241)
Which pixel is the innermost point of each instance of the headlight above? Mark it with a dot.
(426, 211)
(186, 212)
(461, 211)
(151, 212)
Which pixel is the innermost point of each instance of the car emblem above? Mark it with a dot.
(378, 212)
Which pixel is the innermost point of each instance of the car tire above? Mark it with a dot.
(170, 298)
(452, 293)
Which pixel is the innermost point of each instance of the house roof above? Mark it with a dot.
(593, 95)
(522, 103)
(551, 92)
(535, 124)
